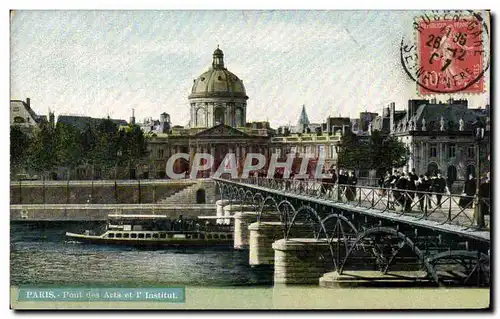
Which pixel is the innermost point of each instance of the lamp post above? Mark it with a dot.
(479, 136)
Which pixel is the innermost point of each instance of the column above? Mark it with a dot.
(191, 157)
(212, 152)
(238, 152)
(243, 152)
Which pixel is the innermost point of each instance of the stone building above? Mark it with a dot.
(24, 117)
(218, 123)
(311, 140)
(440, 136)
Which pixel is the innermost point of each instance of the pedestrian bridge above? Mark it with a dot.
(349, 225)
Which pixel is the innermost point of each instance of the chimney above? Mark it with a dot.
(392, 109)
(28, 101)
(132, 119)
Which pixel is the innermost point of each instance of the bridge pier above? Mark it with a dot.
(262, 236)
(230, 209)
(301, 260)
(241, 232)
(220, 204)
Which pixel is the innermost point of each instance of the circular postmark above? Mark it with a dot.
(448, 52)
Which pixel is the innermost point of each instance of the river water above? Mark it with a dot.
(42, 256)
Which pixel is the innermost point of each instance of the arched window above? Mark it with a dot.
(200, 196)
(219, 116)
(200, 117)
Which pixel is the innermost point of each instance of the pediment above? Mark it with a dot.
(221, 130)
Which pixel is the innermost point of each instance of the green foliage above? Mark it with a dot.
(103, 146)
(376, 152)
(354, 152)
(19, 143)
(67, 146)
(42, 149)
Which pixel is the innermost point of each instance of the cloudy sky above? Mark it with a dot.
(107, 62)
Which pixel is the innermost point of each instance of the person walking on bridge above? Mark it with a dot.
(342, 182)
(411, 187)
(469, 191)
(400, 190)
(439, 187)
(351, 189)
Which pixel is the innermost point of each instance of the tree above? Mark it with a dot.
(354, 152)
(104, 152)
(19, 144)
(388, 153)
(68, 150)
(135, 143)
(41, 151)
(377, 152)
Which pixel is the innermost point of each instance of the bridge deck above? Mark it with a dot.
(406, 218)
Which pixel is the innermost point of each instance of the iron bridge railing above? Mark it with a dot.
(444, 208)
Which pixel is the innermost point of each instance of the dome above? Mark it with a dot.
(218, 81)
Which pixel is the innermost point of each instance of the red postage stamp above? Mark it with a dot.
(450, 56)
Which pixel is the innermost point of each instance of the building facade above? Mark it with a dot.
(24, 117)
(217, 126)
(440, 136)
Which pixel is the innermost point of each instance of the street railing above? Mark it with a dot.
(444, 208)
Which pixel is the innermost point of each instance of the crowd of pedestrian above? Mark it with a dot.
(410, 187)
(406, 187)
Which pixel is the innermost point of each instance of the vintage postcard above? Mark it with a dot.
(250, 159)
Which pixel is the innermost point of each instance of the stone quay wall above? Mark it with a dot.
(61, 212)
(108, 192)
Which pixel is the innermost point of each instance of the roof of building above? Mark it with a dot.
(218, 81)
(451, 113)
(38, 119)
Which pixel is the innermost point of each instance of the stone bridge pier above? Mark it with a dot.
(301, 260)
(241, 232)
(262, 236)
(220, 209)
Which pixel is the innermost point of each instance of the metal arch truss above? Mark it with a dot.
(463, 266)
(385, 250)
(384, 243)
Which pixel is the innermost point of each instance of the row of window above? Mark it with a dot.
(310, 150)
(219, 115)
(165, 235)
(451, 151)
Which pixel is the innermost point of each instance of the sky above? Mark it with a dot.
(101, 63)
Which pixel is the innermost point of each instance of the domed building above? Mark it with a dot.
(218, 96)
(218, 123)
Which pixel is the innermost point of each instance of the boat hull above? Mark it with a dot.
(167, 242)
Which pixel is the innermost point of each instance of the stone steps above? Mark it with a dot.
(183, 196)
